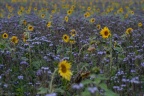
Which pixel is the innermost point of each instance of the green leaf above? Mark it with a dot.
(123, 36)
(85, 93)
(110, 93)
(103, 86)
(59, 90)
(42, 90)
(97, 81)
(102, 77)
(36, 64)
(87, 81)
(24, 58)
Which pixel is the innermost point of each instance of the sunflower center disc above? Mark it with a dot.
(63, 68)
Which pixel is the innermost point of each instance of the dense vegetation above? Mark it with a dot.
(72, 48)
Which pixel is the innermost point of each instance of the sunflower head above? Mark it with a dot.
(66, 18)
(35, 8)
(64, 69)
(132, 12)
(14, 39)
(65, 38)
(98, 26)
(87, 14)
(139, 24)
(129, 30)
(42, 15)
(25, 36)
(19, 12)
(24, 22)
(92, 20)
(73, 32)
(49, 24)
(4, 35)
(89, 8)
(30, 28)
(105, 32)
(69, 12)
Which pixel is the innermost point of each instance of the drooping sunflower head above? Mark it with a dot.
(14, 39)
(30, 28)
(140, 24)
(105, 32)
(129, 31)
(98, 26)
(24, 22)
(66, 18)
(72, 41)
(73, 32)
(19, 12)
(64, 69)
(49, 24)
(4, 35)
(65, 38)
(25, 36)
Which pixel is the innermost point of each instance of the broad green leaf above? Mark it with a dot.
(42, 90)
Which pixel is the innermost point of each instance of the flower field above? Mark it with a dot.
(72, 48)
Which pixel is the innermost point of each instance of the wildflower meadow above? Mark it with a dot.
(72, 48)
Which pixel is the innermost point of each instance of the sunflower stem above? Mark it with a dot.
(80, 51)
(30, 53)
(111, 58)
(71, 51)
(52, 77)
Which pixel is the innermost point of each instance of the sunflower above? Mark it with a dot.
(66, 18)
(71, 41)
(120, 10)
(87, 14)
(69, 12)
(140, 24)
(24, 39)
(28, 11)
(65, 38)
(105, 32)
(42, 15)
(64, 69)
(132, 12)
(49, 24)
(92, 20)
(72, 7)
(126, 15)
(14, 39)
(51, 16)
(9, 16)
(89, 8)
(24, 22)
(73, 32)
(53, 11)
(98, 26)
(19, 12)
(129, 30)
(25, 36)
(5, 35)
(30, 28)
(35, 8)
